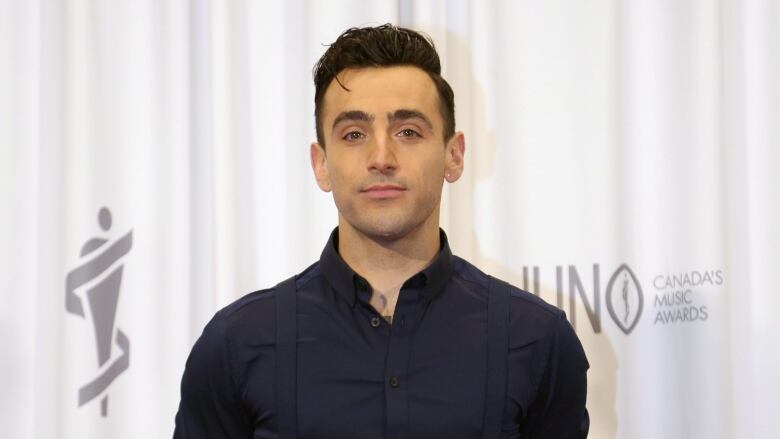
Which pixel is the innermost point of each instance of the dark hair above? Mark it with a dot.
(382, 46)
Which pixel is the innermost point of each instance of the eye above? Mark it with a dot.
(408, 132)
(353, 136)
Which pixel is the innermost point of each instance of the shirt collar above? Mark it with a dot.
(429, 282)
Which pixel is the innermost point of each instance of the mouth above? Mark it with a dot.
(383, 191)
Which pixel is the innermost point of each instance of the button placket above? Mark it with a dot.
(397, 363)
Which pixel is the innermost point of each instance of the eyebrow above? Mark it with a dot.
(404, 114)
(353, 115)
(397, 115)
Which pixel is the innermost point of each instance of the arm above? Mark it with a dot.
(559, 409)
(210, 404)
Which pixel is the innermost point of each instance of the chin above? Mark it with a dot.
(388, 223)
(389, 233)
(385, 230)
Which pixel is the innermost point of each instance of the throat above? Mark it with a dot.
(384, 303)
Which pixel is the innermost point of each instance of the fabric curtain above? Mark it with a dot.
(621, 162)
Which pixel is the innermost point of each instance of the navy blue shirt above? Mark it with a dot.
(423, 376)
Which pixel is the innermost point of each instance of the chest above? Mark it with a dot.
(359, 377)
(422, 376)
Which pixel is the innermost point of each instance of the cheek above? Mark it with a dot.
(429, 172)
(434, 182)
(340, 180)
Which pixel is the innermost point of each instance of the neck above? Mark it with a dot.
(388, 263)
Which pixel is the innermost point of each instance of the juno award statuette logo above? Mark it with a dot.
(99, 276)
(624, 298)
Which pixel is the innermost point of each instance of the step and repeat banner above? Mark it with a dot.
(621, 163)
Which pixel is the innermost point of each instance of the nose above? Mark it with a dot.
(382, 157)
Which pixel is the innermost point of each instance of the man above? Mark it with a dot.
(388, 335)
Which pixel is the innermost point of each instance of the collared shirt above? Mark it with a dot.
(423, 376)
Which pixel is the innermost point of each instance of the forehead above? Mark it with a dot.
(378, 90)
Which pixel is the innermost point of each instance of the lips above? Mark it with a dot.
(383, 191)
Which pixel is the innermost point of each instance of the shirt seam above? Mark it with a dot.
(235, 307)
(237, 386)
(514, 293)
(546, 360)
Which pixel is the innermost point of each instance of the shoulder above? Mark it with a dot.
(531, 317)
(254, 314)
(522, 301)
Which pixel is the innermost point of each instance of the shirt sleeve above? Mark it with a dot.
(210, 404)
(559, 409)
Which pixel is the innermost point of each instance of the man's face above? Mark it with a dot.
(385, 157)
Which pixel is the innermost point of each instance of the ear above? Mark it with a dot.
(319, 164)
(453, 161)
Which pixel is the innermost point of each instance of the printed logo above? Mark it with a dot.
(98, 277)
(679, 297)
(627, 307)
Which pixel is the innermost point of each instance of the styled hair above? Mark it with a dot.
(381, 46)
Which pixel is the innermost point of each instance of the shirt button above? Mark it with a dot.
(375, 322)
(394, 382)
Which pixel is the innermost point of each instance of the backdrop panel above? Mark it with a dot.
(621, 161)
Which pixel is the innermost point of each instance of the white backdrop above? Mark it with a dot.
(618, 154)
